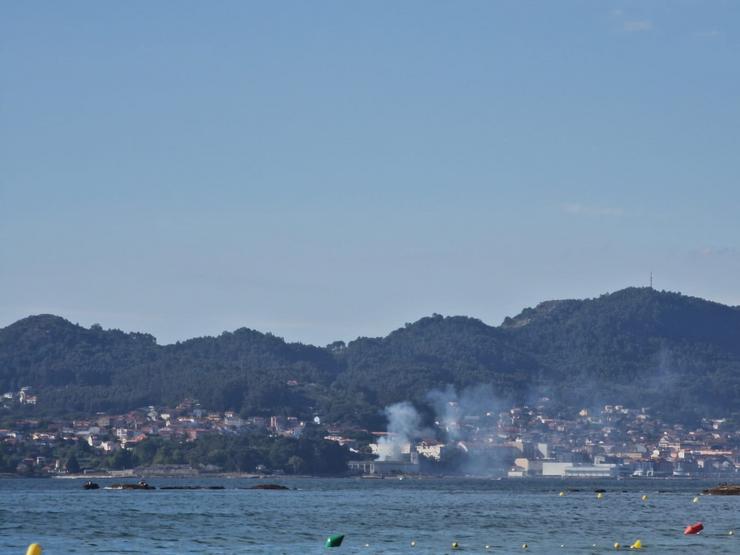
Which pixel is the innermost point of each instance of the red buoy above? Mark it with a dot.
(694, 528)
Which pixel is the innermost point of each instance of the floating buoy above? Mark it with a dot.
(335, 540)
(696, 500)
(617, 546)
(455, 545)
(525, 546)
(693, 528)
(413, 543)
(599, 495)
(731, 533)
(34, 549)
(367, 545)
(561, 494)
(636, 545)
(644, 497)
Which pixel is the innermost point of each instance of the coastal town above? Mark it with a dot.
(611, 441)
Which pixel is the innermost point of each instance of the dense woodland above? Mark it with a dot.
(231, 453)
(637, 347)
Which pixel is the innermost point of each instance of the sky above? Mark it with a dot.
(327, 170)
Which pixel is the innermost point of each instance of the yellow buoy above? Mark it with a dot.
(599, 496)
(644, 497)
(562, 494)
(34, 549)
(455, 545)
(636, 545)
(617, 546)
(525, 546)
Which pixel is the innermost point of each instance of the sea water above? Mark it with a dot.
(376, 516)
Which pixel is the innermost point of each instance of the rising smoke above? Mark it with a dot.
(450, 410)
(404, 426)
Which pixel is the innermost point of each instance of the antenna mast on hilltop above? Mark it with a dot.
(651, 280)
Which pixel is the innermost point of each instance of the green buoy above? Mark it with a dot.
(335, 540)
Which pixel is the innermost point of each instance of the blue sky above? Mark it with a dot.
(324, 170)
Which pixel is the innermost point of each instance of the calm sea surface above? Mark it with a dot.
(377, 516)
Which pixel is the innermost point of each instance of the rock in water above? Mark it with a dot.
(269, 486)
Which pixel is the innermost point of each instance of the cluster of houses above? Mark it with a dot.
(618, 441)
(24, 396)
(610, 441)
(107, 434)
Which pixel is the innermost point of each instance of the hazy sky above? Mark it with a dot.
(324, 170)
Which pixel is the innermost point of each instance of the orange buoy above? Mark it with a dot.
(694, 528)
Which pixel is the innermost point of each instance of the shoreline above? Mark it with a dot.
(402, 477)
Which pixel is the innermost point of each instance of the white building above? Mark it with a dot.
(431, 449)
(389, 450)
(592, 471)
(555, 468)
(381, 468)
(572, 470)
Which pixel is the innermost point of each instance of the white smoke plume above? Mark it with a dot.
(446, 408)
(457, 418)
(404, 425)
(450, 408)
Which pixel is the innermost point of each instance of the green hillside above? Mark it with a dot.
(637, 347)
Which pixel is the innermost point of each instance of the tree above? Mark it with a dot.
(296, 465)
(73, 465)
(123, 459)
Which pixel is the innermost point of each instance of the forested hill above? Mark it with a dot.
(661, 349)
(637, 346)
(435, 352)
(82, 370)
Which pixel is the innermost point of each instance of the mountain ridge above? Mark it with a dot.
(637, 345)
